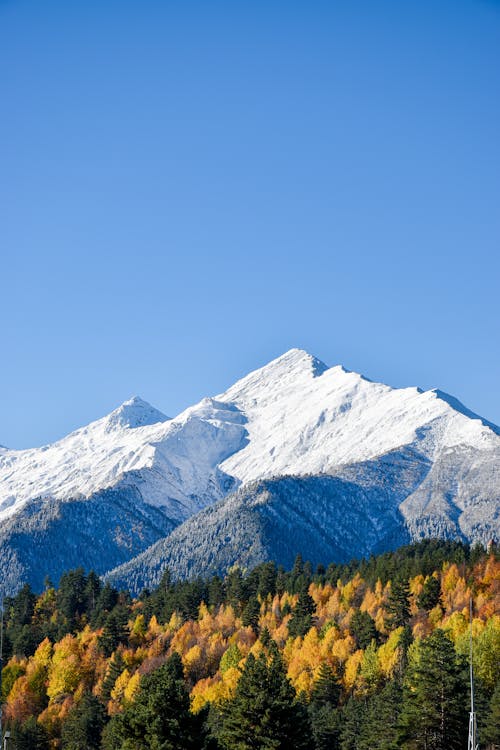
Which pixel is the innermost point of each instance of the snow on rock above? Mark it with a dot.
(293, 416)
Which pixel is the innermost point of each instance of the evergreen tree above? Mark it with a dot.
(107, 599)
(491, 731)
(281, 580)
(430, 595)
(71, 598)
(379, 730)
(265, 637)
(115, 630)
(30, 735)
(267, 580)
(323, 713)
(398, 604)
(91, 593)
(115, 668)
(83, 727)
(234, 588)
(302, 618)
(326, 689)
(159, 718)
(434, 713)
(215, 591)
(363, 629)
(264, 713)
(251, 614)
(353, 718)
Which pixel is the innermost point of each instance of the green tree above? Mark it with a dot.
(302, 617)
(84, 724)
(264, 713)
(29, 735)
(353, 719)
(434, 713)
(363, 629)
(267, 579)
(323, 709)
(115, 630)
(159, 718)
(380, 725)
(115, 668)
(251, 614)
(491, 731)
(430, 595)
(398, 604)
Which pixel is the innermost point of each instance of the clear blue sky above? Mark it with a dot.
(188, 189)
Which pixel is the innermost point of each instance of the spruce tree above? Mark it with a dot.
(264, 713)
(115, 668)
(353, 718)
(267, 579)
(302, 618)
(380, 725)
(323, 709)
(491, 731)
(83, 727)
(430, 595)
(30, 735)
(398, 604)
(363, 629)
(434, 711)
(251, 614)
(115, 630)
(159, 717)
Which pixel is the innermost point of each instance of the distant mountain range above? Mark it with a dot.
(294, 457)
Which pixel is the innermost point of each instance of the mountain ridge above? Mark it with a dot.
(294, 417)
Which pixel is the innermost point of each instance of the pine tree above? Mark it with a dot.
(363, 629)
(323, 709)
(91, 592)
(302, 618)
(326, 689)
(353, 718)
(430, 595)
(115, 668)
(264, 713)
(83, 727)
(159, 718)
(251, 614)
(29, 735)
(234, 588)
(398, 604)
(434, 715)
(215, 591)
(491, 731)
(380, 726)
(267, 579)
(115, 630)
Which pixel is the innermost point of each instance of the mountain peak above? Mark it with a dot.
(135, 413)
(298, 359)
(292, 366)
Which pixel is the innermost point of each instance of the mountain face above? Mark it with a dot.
(363, 464)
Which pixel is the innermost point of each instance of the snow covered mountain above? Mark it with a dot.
(293, 417)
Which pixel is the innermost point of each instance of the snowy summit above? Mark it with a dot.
(294, 416)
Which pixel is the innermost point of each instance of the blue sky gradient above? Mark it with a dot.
(189, 189)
